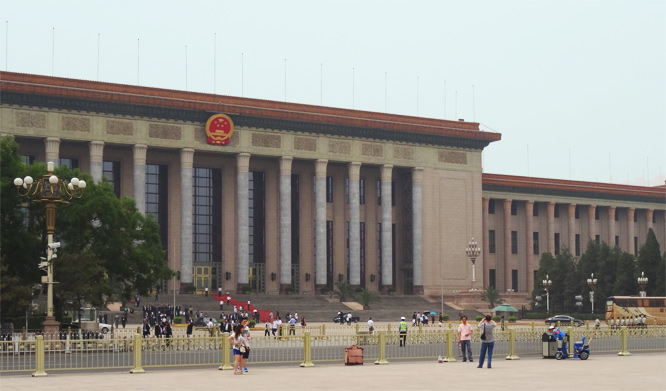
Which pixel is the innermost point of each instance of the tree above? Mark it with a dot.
(106, 241)
(366, 297)
(492, 296)
(625, 283)
(342, 290)
(648, 260)
(660, 280)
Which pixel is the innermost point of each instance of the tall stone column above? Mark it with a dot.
(551, 227)
(649, 217)
(507, 245)
(52, 145)
(611, 226)
(97, 160)
(242, 189)
(186, 227)
(140, 177)
(591, 229)
(354, 225)
(285, 222)
(320, 223)
(572, 228)
(631, 226)
(485, 203)
(387, 229)
(529, 246)
(417, 229)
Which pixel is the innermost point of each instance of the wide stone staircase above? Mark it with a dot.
(315, 308)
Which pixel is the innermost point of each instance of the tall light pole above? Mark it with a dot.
(51, 190)
(592, 282)
(642, 281)
(547, 283)
(473, 251)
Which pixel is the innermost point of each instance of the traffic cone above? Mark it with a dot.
(440, 359)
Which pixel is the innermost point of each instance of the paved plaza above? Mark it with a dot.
(640, 371)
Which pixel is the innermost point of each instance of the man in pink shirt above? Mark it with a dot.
(465, 339)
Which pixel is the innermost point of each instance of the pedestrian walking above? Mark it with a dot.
(371, 326)
(402, 328)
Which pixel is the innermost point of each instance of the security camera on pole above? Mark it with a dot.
(51, 190)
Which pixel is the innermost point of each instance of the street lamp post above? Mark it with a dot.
(473, 251)
(547, 283)
(592, 282)
(51, 190)
(642, 281)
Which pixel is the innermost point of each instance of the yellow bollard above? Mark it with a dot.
(420, 328)
(356, 328)
(532, 326)
(623, 336)
(39, 357)
(381, 345)
(571, 341)
(512, 345)
(388, 328)
(138, 347)
(323, 330)
(226, 353)
(307, 351)
(450, 339)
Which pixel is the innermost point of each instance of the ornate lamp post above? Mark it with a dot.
(51, 190)
(547, 283)
(642, 282)
(473, 251)
(592, 282)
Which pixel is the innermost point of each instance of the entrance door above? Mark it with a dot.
(257, 278)
(202, 278)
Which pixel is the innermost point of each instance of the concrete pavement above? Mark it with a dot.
(640, 371)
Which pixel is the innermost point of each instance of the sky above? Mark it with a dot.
(576, 88)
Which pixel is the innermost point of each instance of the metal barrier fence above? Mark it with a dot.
(41, 354)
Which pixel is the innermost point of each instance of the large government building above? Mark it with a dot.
(280, 197)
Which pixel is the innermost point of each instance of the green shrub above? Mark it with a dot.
(246, 289)
(251, 323)
(512, 319)
(325, 290)
(479, 318)
(190, 289)
(497, 318)
(177, 320)
(445, 317)
(66, 319)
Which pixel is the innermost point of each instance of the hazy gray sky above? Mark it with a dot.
(580, 85)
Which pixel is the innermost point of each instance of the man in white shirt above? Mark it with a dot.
(275, 326)
(371, 326)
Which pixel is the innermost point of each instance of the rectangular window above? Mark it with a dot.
(557, 243)
(654, 217)
(491, 278)
(514, 208)
(556, 211)
(577, 245)
(361, 191)
(514, 280)
(207, 215)
(379, 254)
(70, 163)
(295, 219)
(491, 241)
(596, 213)
(617, 215)
(329, 189)
(597, 239)
(491, 207)
(392, 193)
(257, 216)
(347, 253)
(329, 253)
(535, 242)
(346, 190)
(28, 159)
(111, 171)
(535, 210)
(514, 242)
(157, 198)
(577, 212)
(362, 253)
(617, 240)
(635, 245)
(379, 192)
(635, 216)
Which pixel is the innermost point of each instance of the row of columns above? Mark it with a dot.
(529, 208)
(242, 182)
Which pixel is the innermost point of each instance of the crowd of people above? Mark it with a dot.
(632, 322)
